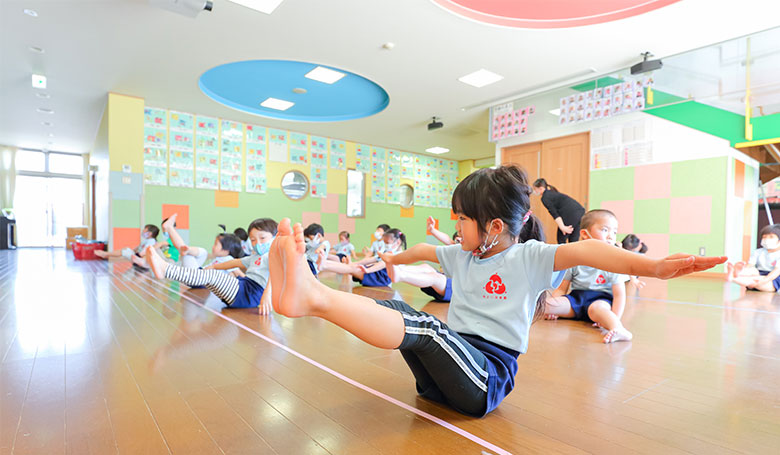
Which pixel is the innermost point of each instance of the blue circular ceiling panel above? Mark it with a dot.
(245, 85)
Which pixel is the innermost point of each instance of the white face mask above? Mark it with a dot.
(769, 244)
(378, 235)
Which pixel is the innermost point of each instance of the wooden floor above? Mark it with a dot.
(98, 358)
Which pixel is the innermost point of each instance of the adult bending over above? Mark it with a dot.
(565, 211)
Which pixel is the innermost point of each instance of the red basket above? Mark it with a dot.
(85, 251)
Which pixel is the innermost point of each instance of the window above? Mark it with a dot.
(61, 163)
(28, 160)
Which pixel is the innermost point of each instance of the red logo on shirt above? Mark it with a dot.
(600, 280)
(259, 260)
(495, 285)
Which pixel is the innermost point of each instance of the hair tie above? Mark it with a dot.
(527, 215)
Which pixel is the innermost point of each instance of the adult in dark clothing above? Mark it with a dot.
(565, 211)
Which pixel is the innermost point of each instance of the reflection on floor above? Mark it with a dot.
(100, 358)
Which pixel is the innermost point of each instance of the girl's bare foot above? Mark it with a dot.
(170, 222)
(346, 260)
(729, 271)
(296, 292)
(156, 263)
(618, 334)
(101, 254)
(392, 273)
(551, 317)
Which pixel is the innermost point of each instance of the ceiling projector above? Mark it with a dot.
(189, 8)
(435, 125)
(646, 65)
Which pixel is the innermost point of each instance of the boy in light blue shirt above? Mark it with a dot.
(596, 295)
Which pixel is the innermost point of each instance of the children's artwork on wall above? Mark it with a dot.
(338, 154)
(231, 155)
(155, 146)
(617, 99)
(319, 179)
(206, 152)
(506, 121)
(181, 147)
(256, 181)
(319, 152)
(362, 158)
(299, 148)
(277, 145)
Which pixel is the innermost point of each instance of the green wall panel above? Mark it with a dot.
(700, 177)
(125, 213)
(610, 185)
(651, 216)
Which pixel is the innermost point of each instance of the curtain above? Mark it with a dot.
(7, 176)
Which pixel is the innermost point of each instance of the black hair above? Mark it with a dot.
(223, 227)
(345, 234)
(591, 216)
(241, 233)
(154, 230)
(770, 229)
(263, 224)
(503, 193)
(383, 227)
(232, 244)
(538, 183)
(631, 241)
(397, 234)
(163, 222)
(455, 235)
(313, 229)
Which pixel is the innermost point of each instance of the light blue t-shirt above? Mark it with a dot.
(220, 260)
(345, 248)
(378, 247)
(764, 260)
(311, 247)
(584, 278)
(145, 243)
(257, 268)
(495, 298)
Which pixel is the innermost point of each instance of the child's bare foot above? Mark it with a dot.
(156, 263)
(183, 250)
(618, 334)
(551, 317)
(140, 262)
(101, 254)
(729, 271)
(346, 260)
(296, 292)
(170, 222)
(392, 273)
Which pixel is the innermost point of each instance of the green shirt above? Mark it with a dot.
(172, 252)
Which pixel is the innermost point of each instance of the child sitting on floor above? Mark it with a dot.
(596, 295)
(376, 247)
(246, 291)
(148, 239)
(317, 248)
(246, 244)
(226, 247)
(762, 271)
(343, 251)
(375, 274)
(632, 243)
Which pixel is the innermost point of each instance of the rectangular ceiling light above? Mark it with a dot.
(38, 81)
(325, 75)
(264, 6)
(480, 78)
(275, 103)
(437, 150)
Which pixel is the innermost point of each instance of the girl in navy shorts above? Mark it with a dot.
(468, 363)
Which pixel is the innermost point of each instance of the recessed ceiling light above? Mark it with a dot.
(36, 49)
(44, 110)
(437, 150)
(264, 6)
(388, 46)
(51, 134)
(299, 90)
(480, 78)
(556, 111)
(325, 75)
(38, 81)
(47, 123)
(275, 103)
(42, 95)
(31, 12)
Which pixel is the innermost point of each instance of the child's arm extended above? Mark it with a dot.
(563, 289)
(419, 252)
(440, 236)
(618, 299)
(600, 255)
(231, 264)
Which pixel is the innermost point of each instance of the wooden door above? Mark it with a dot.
(528, 156)
(563, 162)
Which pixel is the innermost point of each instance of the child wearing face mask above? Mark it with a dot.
(762, 271)
(317, 248)
(377, 245)
(246, 291)
(343, 251)
(226, 247)
(499, 272)
(394, 241)
(148, 239)
(596, 295)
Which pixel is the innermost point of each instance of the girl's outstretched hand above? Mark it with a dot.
(682, 264)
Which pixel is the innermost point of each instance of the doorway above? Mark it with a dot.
(564, 162)
(49, 197)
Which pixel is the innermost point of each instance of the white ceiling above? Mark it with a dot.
(132, 48)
